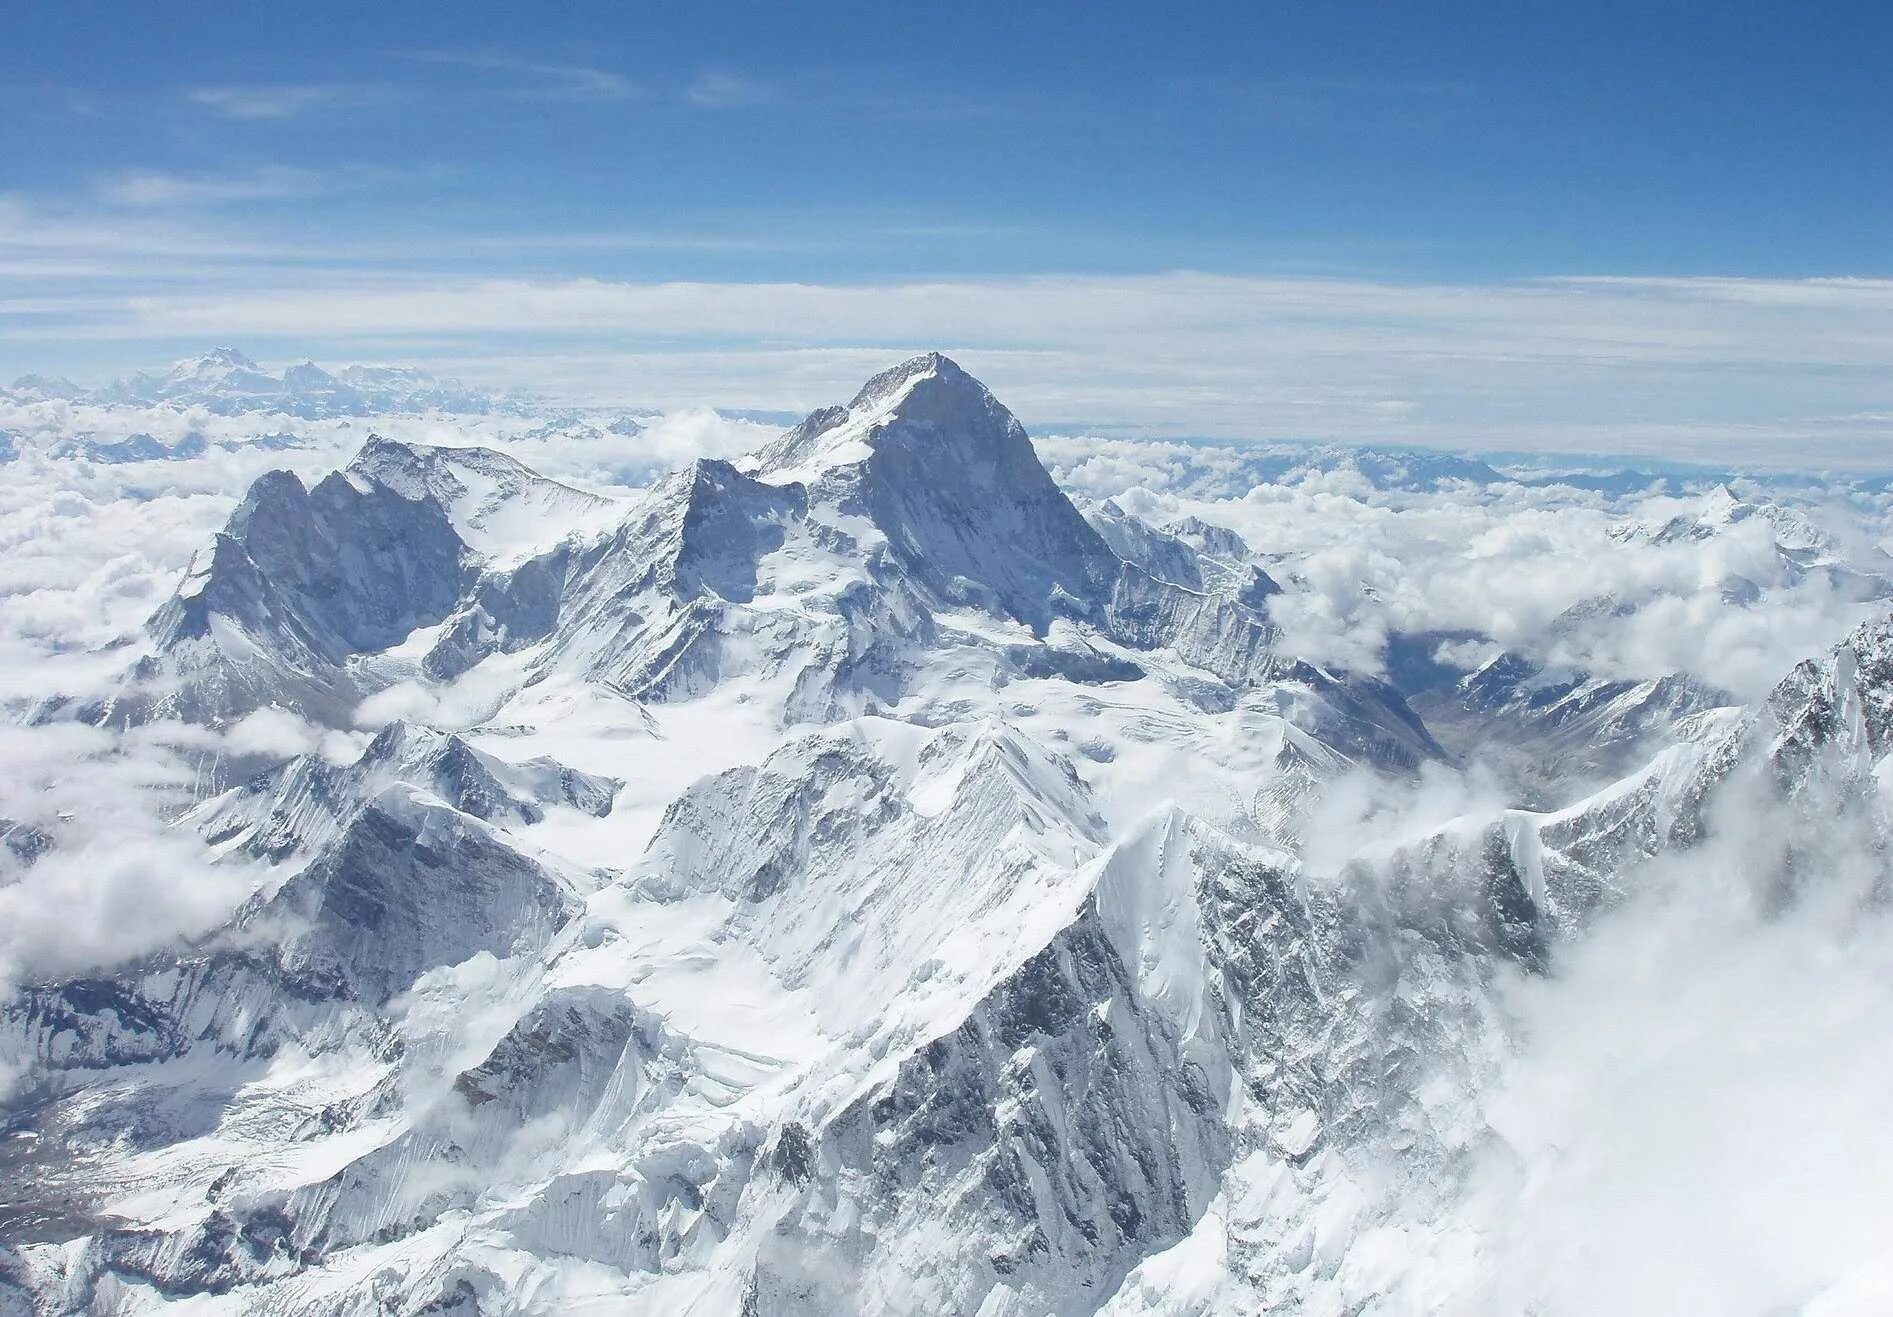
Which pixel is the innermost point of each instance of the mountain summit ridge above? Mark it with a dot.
(847, 552)
(925, 397)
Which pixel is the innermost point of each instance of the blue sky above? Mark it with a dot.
(701, 202)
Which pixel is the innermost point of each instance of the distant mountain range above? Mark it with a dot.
(224, 380)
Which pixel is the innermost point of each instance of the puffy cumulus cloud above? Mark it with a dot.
(94, 873)
(275, 733)
(1693, 1119)
(1740, 648)
(405, 701)
(604, 458)
(1705, 1078)
(110, 895)
(700, 432)
(1572, 579)
(1104, 467)
(466, 702)
(1394, 812)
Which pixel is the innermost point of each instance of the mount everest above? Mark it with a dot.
(858, 876)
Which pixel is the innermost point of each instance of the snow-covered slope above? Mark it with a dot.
(846, 879)
(1547, 731)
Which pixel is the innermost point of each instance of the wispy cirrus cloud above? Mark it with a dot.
(154, 188)
(261, 101)
(1773, 370)
(1659, 366)
(722, 91)
(160, 189)
(539, 79)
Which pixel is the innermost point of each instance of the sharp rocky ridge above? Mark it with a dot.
(846, 879)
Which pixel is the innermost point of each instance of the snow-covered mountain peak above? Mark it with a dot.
(498, 506)
(885, 390)
(1721, 509)
(220, 371)
(833, 587)
(417, 470)
(306, 376)
(1721, 502)
(42, 388)
(1778, 544)
(927, 403)
(950, 479)
(212, 364)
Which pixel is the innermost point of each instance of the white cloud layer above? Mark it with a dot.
(1693, 1121)
(1731, 369)
(116, 880)
(1525, 567)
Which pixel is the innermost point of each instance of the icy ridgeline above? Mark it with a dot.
(844, 880)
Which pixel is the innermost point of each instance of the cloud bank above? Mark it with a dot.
(1761, 371)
